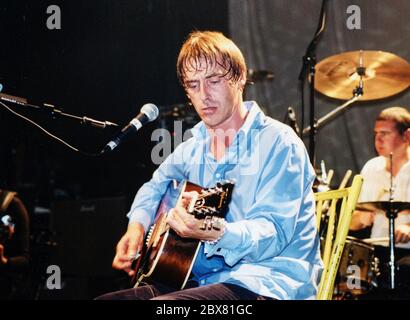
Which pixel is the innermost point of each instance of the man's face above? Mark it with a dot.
(388, 139)
(215, 98)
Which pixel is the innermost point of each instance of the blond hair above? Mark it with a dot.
(215, 49)
(399, 115)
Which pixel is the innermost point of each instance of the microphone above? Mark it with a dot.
(292, 120)
(148, 113)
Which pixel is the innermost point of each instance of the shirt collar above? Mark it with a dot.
(254, 119)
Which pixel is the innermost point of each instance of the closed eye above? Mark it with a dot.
(191, 84)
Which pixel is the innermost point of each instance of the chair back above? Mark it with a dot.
(334, 210)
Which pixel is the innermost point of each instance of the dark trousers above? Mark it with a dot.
(219, 291)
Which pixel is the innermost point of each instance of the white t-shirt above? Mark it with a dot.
(376, 187)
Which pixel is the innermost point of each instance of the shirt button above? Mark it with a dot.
(202, 281)
(218, 175)
(214, 269)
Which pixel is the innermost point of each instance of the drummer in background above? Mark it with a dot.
(391, 135)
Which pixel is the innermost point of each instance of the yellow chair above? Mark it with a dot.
(338, 206)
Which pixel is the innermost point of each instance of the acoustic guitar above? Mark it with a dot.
(166, 257)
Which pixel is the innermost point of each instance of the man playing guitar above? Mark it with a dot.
(266, 246)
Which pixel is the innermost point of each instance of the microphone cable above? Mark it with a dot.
(50, 134)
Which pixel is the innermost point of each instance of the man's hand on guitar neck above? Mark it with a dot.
(187, 226)
(128, 247)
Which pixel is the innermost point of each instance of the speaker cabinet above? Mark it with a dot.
(86, 234)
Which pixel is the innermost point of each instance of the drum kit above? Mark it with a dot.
(352, 76)
(360, 267)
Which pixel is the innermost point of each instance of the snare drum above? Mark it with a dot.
(357, 269)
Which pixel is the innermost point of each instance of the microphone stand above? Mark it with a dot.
(308, 69)
(49, 108)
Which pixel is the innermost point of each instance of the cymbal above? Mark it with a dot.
(383, 75)
(383, 205)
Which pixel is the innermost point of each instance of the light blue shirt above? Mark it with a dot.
(270, 245)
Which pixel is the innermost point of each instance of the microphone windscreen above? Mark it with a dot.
(150, 110)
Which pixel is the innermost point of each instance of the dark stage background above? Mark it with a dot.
(274, 35)
(110, 58)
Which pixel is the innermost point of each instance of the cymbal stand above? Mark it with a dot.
(391, 214)
(357, 93)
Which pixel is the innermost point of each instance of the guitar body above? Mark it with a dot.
(166, 257)
(175, 259)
